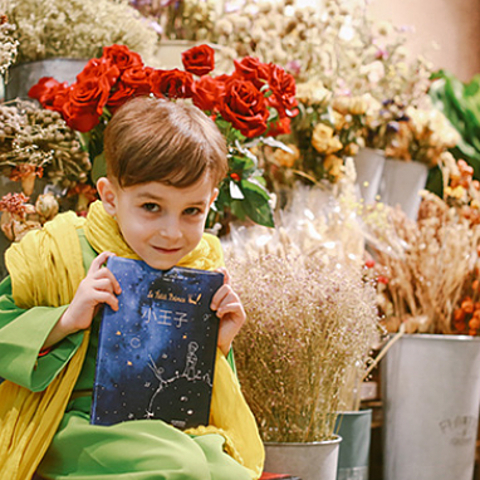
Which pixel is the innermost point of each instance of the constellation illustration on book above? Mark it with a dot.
(190, 374)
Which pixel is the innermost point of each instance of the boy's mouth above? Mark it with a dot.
(167, 250)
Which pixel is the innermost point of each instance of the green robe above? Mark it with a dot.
(137, 450)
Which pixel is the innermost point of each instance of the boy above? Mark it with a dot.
(164, 160)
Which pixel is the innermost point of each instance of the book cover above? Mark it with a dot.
(156, 354)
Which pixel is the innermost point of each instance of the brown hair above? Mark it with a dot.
(149, 139)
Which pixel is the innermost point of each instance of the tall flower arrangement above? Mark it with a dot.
(253, 103)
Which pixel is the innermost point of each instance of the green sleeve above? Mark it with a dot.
(22, 335)
(231, 361)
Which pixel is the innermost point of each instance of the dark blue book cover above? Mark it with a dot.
(156, 354)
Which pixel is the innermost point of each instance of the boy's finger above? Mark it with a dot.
(221, 296)
(104, 272)
(99, 261)
(108, 298)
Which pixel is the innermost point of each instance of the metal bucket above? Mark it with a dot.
(369, 163)
(401, 184)
(353, 458)
(309, 461)
(23, 76)
(431, 399)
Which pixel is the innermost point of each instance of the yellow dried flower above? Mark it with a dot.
(323, 140)
(333, 166)
(457, 192)
(287, 159)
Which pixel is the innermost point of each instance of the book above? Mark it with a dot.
(156, 354)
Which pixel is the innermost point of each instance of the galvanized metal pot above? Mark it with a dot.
(23, 76)
(369, 163)
(309, 461)
(355, 430)
(431, 398)
(401, 183)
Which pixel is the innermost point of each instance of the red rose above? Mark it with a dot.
(47, 90)
(138, 78)
(101, 71)
(250, 68)
(244, 107)
(199, 60)
(121, 94)
(283, 89)
(122, 57)
(87, 97)
(206, 92)
(171, 83)
(280, 126)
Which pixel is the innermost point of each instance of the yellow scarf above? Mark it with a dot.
(46, 269)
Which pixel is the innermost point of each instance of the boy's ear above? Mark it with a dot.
(108, 194)
(214, 196)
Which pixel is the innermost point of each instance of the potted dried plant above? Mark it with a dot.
(312, 320)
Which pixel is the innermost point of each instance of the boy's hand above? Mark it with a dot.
(98, 287)
(230, 310)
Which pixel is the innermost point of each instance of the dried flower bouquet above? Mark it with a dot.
(430, 264)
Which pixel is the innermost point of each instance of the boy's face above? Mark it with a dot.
(160, 223)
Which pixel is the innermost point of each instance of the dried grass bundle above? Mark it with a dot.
(427, 263)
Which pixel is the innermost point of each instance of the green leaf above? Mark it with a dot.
(99, 168)
(256, 203)
(435, 181)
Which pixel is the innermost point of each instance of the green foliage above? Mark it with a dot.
(460, 103)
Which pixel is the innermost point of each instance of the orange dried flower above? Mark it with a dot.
(14, 203)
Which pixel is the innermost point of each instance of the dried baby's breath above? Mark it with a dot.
(308, 325)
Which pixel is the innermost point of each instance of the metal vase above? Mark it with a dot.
(401, 183)
(369, 163)
(431, 399)
(309, 461)
(353, 460)
(23, 76)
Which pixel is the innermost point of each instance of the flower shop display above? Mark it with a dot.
(246, 106)
(430, 266)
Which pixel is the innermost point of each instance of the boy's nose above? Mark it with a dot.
(170, 229)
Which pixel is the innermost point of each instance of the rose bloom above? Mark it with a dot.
(252, 69)
(282, 85)
(206, 91)
(244, 107)
(199, 60)
(47, 90)
(122, 57)
(171, 83)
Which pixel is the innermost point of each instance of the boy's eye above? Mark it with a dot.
(151, 207)
(192, 211)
